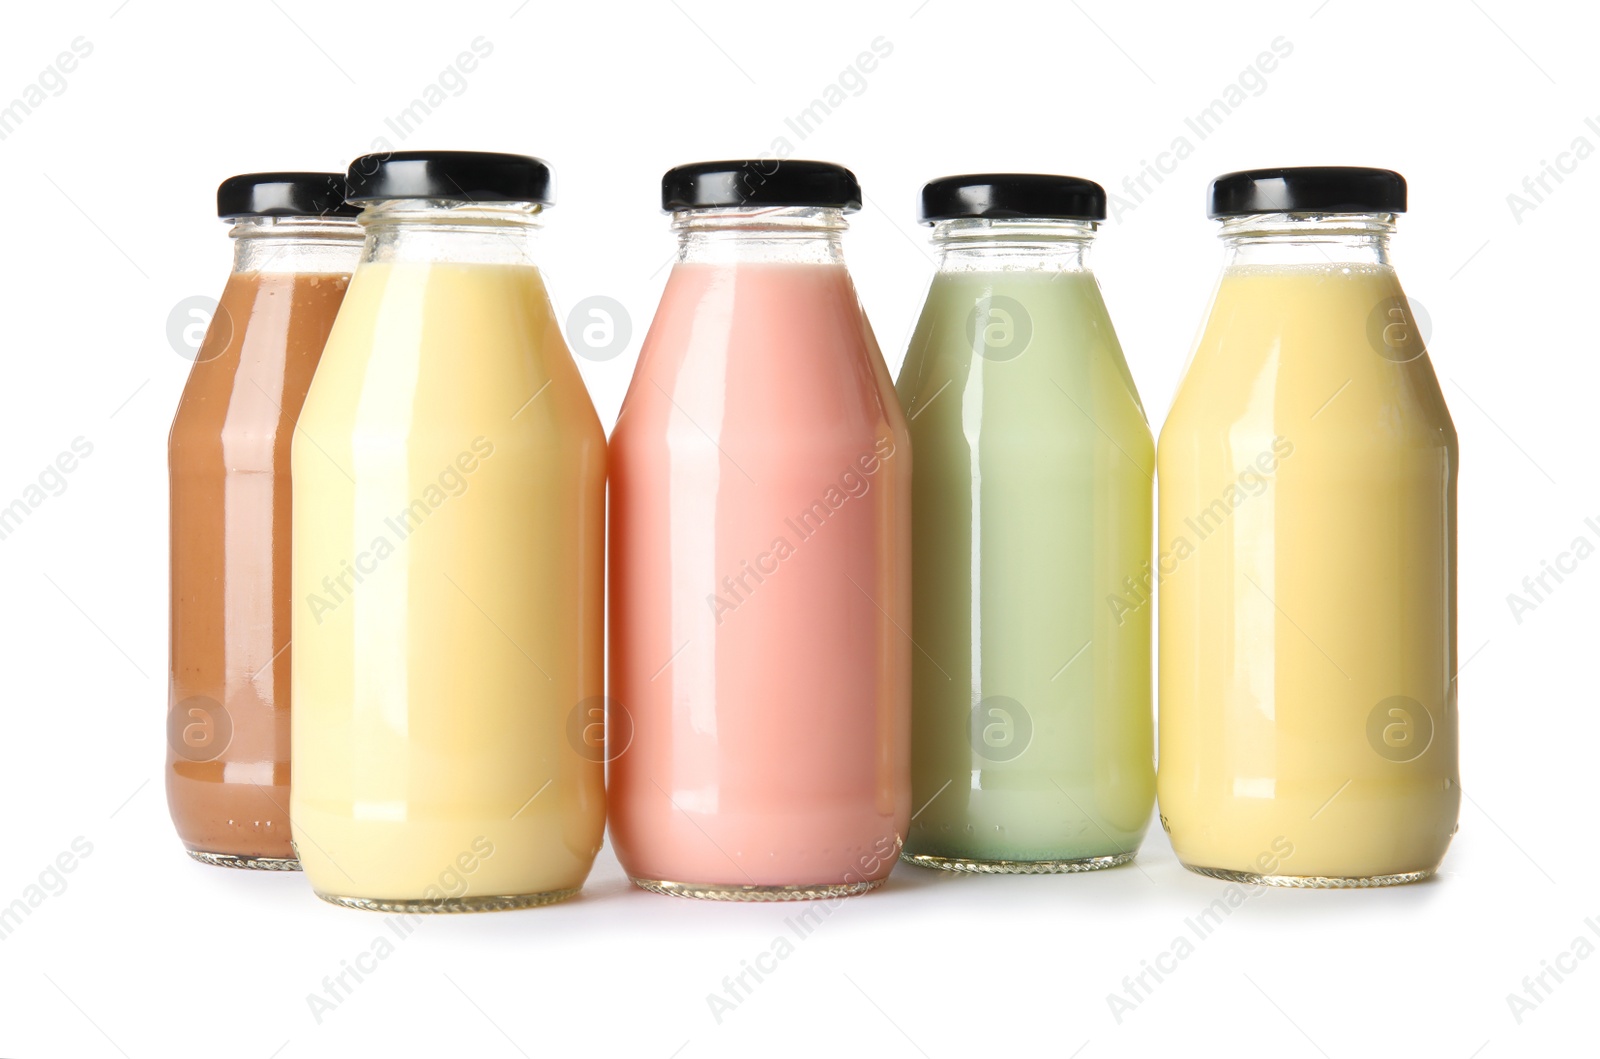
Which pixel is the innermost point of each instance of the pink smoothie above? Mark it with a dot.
(760, 588)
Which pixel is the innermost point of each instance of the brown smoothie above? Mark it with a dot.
(228, 705)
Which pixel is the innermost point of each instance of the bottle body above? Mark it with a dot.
(760, 584)
(450, 476)
(1307, 555)
(228, 757)
(1032, 728)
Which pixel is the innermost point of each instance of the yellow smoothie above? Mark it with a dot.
(1307, 568)
(448, 570)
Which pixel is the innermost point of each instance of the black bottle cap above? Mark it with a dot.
(759, 182)
(283, 195)
(1308, 189)
(1012, 196)
(467, 176)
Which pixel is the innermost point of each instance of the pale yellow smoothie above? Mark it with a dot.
(449, 475)
(1307, 573)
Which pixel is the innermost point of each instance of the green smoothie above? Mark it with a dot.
(1032, 747)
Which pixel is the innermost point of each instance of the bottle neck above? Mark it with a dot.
(984, 244)
(1307, 239)
(295, 245)
(795, 235)
(449, 230)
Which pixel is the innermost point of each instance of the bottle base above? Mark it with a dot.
(1015, 867)
(230, 860)
(1311, 882)
(445, 906)
(719, 892)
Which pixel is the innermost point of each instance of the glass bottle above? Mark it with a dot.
(760, 490)
(294, 244)
(1307, 553)
(1032, 742)
(448, 570)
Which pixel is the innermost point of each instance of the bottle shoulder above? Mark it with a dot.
(1309, 348)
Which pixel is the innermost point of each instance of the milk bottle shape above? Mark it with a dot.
(760, 568)
(1307, 553)
(449, 549)
(1032, 743)
(228, 766)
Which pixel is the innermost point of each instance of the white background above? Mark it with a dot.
(108, 224)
